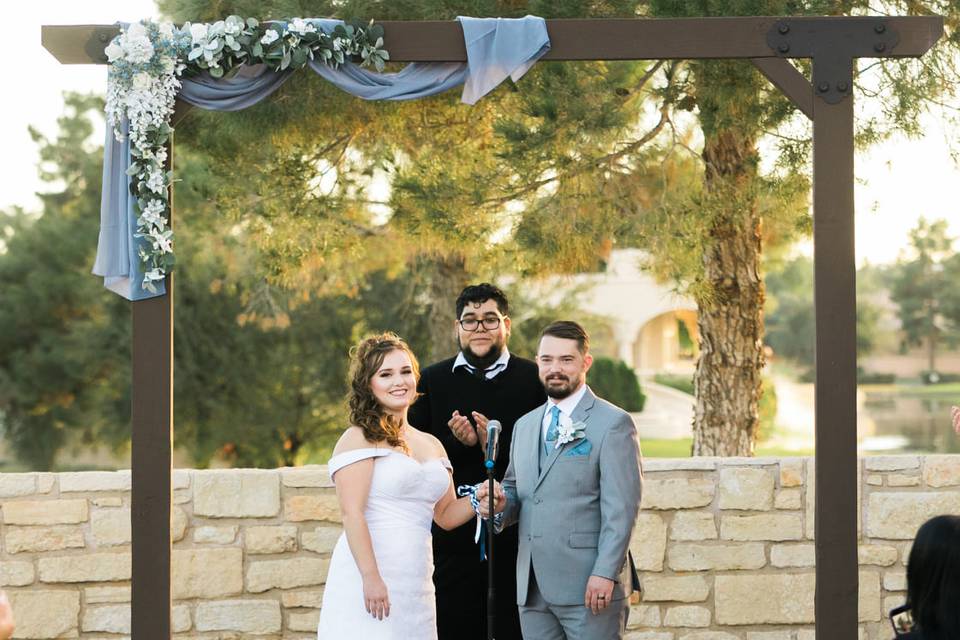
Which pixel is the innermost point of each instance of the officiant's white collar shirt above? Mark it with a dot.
(490, 372)
(567, 405)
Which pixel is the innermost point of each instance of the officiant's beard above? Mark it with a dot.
(482, 362)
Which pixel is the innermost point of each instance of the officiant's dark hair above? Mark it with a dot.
(933, 578)
(366, 411)
(480, 293)
(568, 330)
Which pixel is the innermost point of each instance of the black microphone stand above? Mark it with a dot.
(491, 591)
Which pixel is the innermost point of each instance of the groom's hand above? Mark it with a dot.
(598, 595)
(462, 429)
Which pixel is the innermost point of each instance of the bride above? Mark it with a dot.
(391, 481)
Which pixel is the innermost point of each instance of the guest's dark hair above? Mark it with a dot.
(568, 330)
(933, 578)
(480, 293)
(365, 411)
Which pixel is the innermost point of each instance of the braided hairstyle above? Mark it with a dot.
(366, 411)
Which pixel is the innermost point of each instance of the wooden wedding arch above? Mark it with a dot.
(832, 43)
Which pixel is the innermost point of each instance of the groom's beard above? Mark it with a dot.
(559, 386)
(482, 362)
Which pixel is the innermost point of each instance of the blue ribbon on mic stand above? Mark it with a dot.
(471, 490)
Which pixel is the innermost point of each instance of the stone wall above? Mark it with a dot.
(725, 547)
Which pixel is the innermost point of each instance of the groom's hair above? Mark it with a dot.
(568, 330)
(480, 293)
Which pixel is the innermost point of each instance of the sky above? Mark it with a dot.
(897, 182)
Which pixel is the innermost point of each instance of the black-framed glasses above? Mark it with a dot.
(472, 324)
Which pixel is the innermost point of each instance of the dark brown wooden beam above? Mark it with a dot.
(835, 295)
(151, 449)
(638, 39)
(784, 76)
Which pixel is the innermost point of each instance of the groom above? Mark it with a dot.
(573, 484)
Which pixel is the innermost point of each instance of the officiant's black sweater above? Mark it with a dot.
(512, 393)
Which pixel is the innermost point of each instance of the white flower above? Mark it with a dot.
(162, 240)
(137, 30)
(198, 33)
(113, 51)
(138, 51)
(166, 30)
(568, 431)
(142, 82)
(169, 65)
(269, 37)
(233, 26)
(156, 182)
(301, 26)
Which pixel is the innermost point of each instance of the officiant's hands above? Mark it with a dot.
(375, 596)
(464, 432)
(499, 498)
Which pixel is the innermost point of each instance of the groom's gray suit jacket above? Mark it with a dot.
(576, 515)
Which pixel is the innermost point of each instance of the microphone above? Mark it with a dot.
(493, 439)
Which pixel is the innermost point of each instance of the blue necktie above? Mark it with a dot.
(552, 429)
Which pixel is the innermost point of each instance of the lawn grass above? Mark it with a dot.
(680, 448)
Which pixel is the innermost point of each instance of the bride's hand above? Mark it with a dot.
(375, 597)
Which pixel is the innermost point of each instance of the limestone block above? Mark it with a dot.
(895, 580)
(643, 615)
(109, 501)
(250, 493)
(16, 573)
(788, 499)
(95, 481)
(677, 493)
(809, 521)
(182, 497)
(746, 489)
(792, 555)
(897, 516)
(45, 512)
(709, 635)
(46, 614)
(103, 595)
(14, 485)
(687, 616)
(791, 472)
(723, 557)
(215, 535)
(875, 480)
(181, 479)
(769, 635)
(273, 539)
(878, 554)
(89, 567)
(207, 573)
(286, 574)
(675, 588)
(309, 476)
(248, 616)
(892, 602)
(46, 482)
(767, 526)
(941, 471)
(905, 552)
(320, 540)
(693, 525)
(180, 620)
(178, 524)
(312, 507)
(38, 539)
(764, 599)
(903, 480)
(114, 618)
(648, 542)
(655, 465)
(303, 621)
(869, 601)
(891, 463)
(110, 527)
(648, 635)
(311, 599)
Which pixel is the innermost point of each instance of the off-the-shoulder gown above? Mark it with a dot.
(399, 512)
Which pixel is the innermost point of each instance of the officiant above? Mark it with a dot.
(460, 396)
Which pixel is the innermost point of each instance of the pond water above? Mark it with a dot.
(902, 420)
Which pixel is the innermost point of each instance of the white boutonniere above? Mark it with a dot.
(568, 431)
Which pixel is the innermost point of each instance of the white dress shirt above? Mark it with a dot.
(490, 372)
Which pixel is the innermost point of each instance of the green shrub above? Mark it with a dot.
(674, 381)
(938, 377)
(615, 382)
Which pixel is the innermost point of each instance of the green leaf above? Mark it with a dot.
(285, 62)
(252, 23)
(216, 72)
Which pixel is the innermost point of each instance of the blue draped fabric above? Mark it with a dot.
(497, 48)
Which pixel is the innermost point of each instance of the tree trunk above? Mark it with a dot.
(447, 278)
(727, 378)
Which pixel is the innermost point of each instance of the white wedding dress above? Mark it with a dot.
(399, 513)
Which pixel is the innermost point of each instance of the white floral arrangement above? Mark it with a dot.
(147, 61)
(568, 431)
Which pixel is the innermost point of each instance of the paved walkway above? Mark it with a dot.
(667, 414)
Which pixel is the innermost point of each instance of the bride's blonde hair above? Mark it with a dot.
(366, 411)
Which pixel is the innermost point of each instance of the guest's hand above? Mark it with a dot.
(481, 421)
(499, 499)
(598, 595)
(375, 597)
(462, 429)
(6, 617)
(955, 416)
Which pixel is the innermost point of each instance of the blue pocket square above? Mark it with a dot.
(582, 449)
